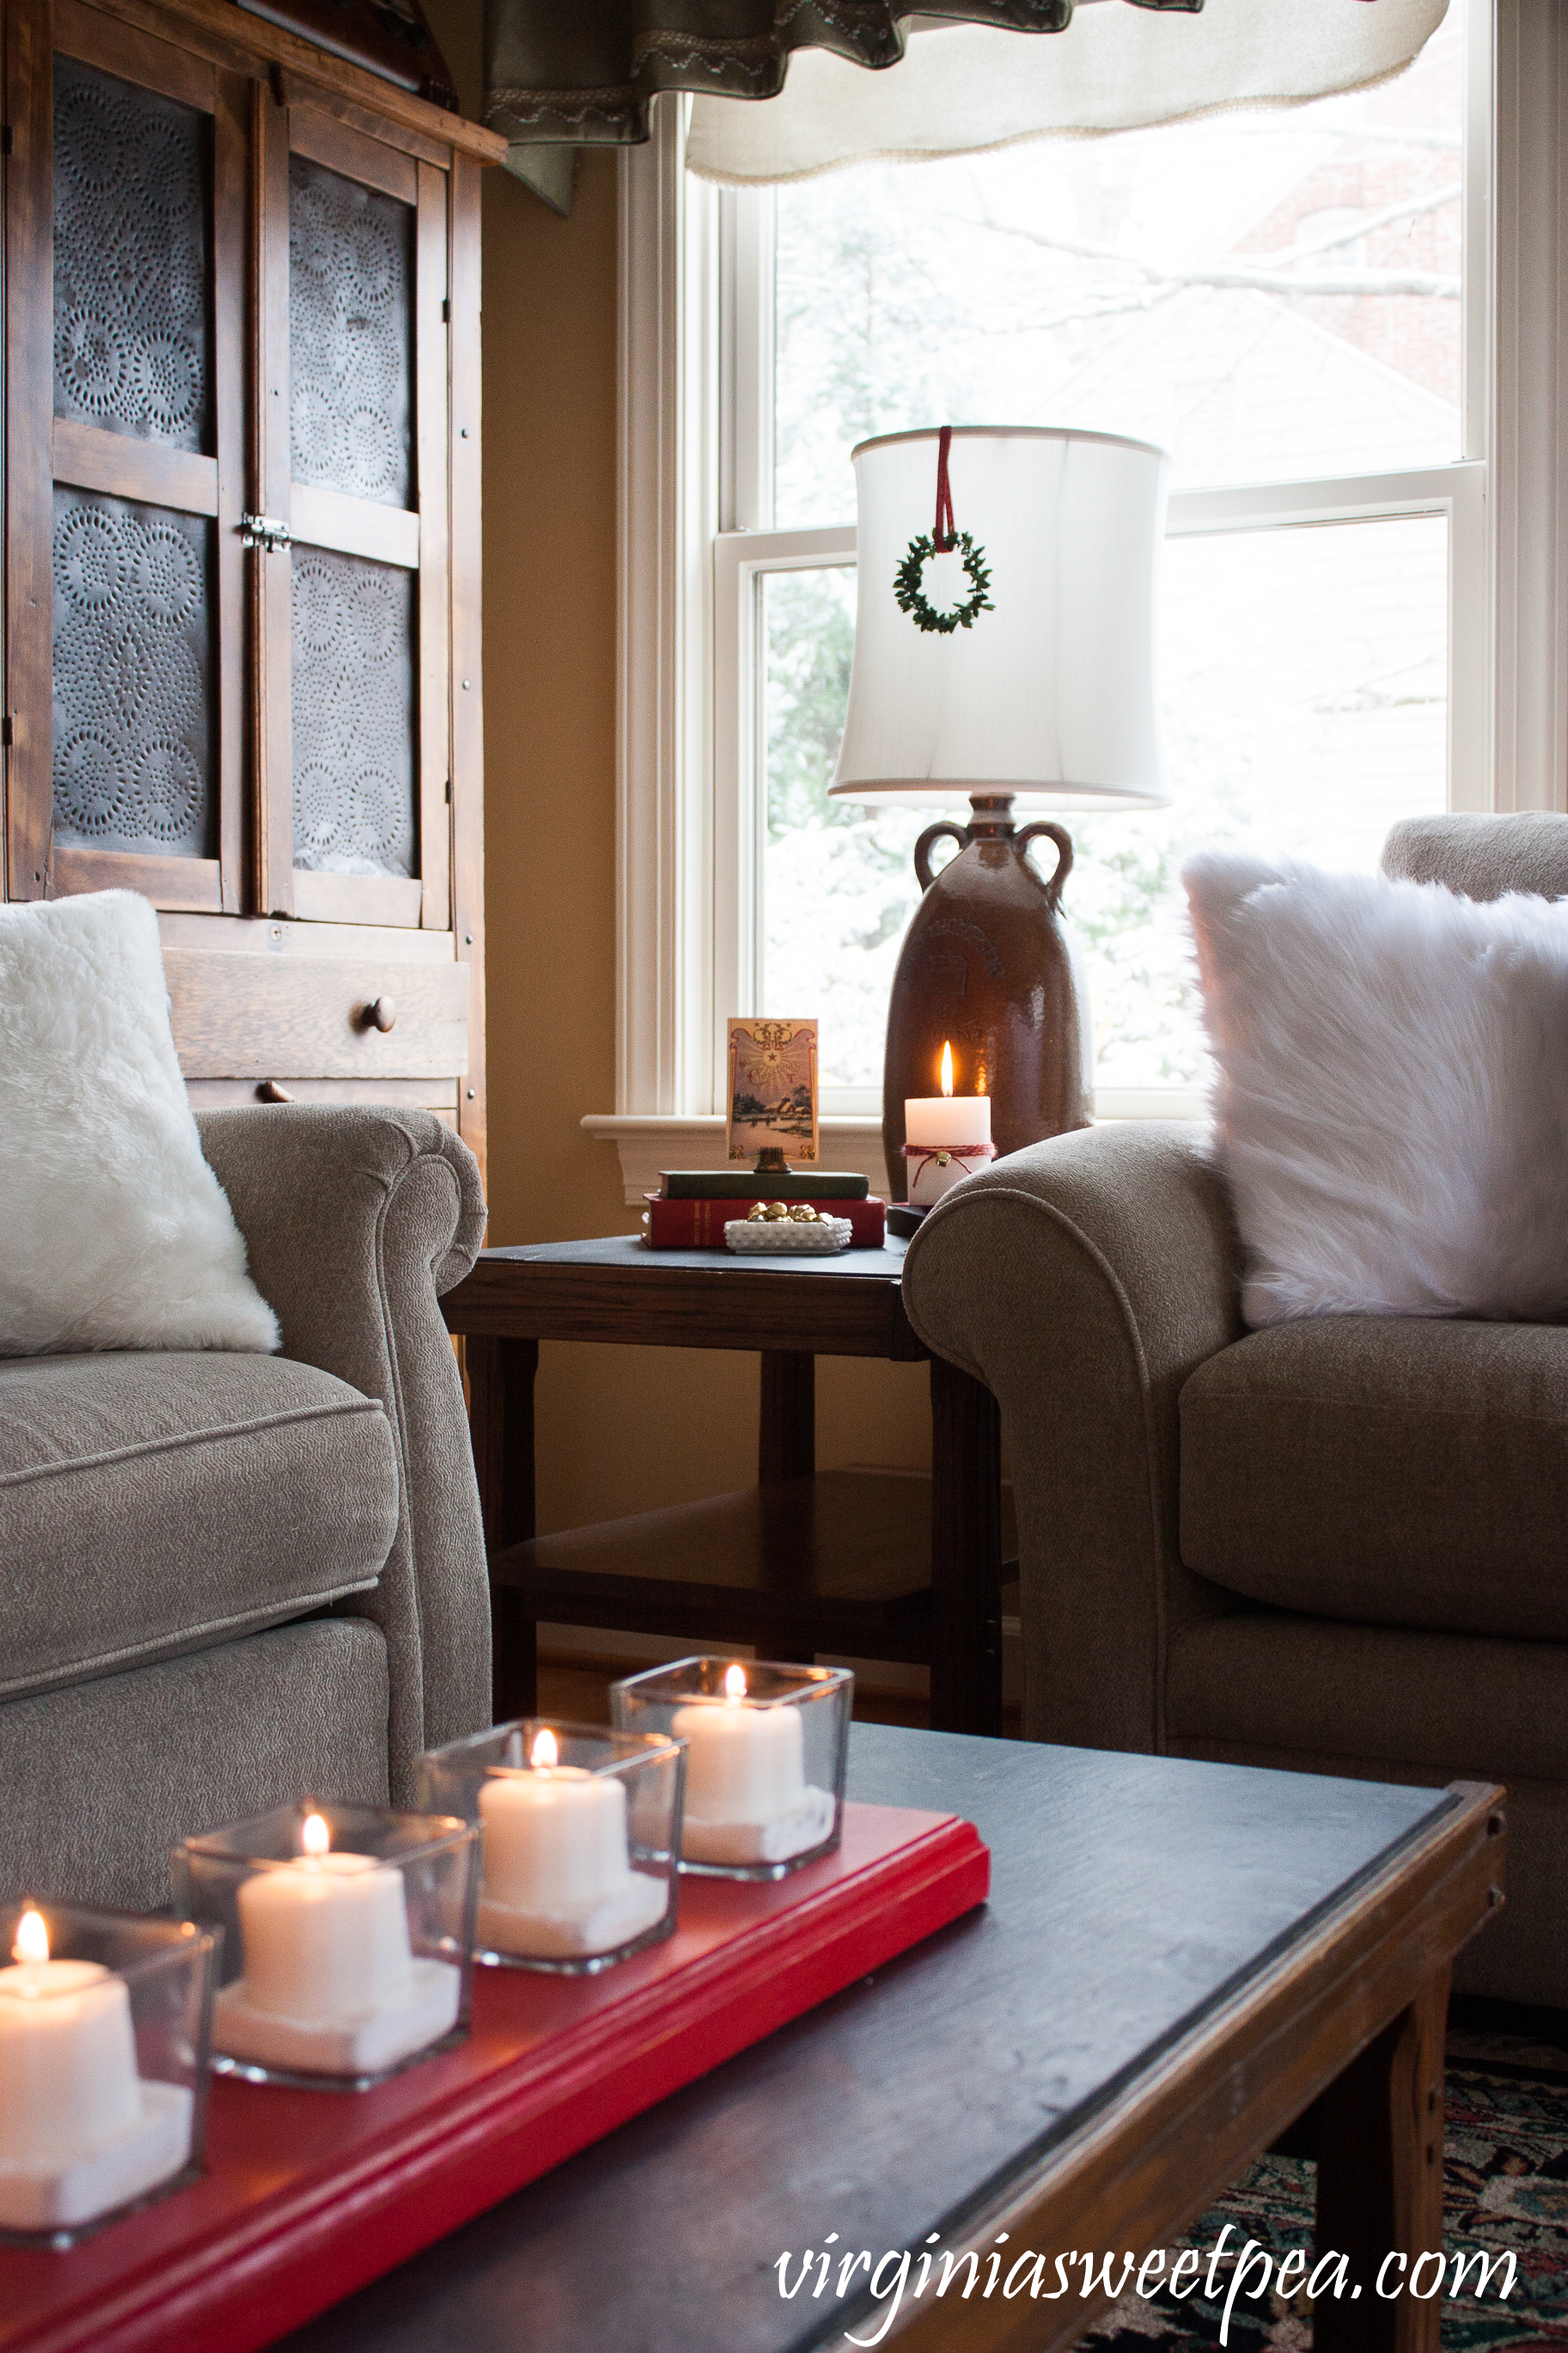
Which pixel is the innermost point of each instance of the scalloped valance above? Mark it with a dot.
(564, 74)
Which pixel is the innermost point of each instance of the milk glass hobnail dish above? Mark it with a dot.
(766, 1747)
(581, 1830)
(348, 1936)
(104, 2018)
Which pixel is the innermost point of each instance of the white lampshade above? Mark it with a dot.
(1052, 693)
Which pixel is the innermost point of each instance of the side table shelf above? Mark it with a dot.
(870, 1564)
(838, 1563)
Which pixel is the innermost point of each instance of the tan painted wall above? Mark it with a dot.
(620, 1429)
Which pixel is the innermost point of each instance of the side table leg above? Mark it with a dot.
(500, 1388)
(1380, 2182)
(786, 1449)
(965, 1553)
(786, 1437)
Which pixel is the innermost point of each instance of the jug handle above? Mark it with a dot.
(1056, 833)
(931, 836)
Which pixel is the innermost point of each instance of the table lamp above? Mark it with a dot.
(1004, 651)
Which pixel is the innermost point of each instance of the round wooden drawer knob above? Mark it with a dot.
(381, 1014)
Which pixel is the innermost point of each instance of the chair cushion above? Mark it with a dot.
(1386, 1471)
(153, 1503)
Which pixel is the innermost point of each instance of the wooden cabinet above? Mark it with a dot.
(241, 543)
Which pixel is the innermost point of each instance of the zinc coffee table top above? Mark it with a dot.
(1176, 1959)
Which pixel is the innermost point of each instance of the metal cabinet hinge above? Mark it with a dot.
(445, 313)
(7, 729)
(8, 140)
(264, 531)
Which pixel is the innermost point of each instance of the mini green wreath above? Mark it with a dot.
(911, 597)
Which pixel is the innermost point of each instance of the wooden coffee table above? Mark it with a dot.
(1178, 1960)
(858, 1564)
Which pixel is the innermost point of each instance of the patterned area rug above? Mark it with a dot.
(1506, 2191)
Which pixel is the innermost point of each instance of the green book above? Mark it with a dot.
(738, 1182)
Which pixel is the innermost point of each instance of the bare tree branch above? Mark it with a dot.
(1409, 208)
(1256, 278)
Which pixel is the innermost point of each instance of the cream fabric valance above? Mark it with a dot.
(963, 88)
(565, 74)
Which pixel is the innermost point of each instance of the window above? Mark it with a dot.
(1299, 305)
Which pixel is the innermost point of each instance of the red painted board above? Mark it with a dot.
(308, 2195)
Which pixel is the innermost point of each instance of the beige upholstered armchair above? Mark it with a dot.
(229, 1580)
(1338, 1546)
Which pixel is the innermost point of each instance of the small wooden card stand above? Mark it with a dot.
(308, 2195)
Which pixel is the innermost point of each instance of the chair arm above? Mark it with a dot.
(357, 1217)
(1083, 1280)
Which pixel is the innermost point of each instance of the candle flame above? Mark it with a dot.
(315, 1837)
(947, 1068)
(32, 1945)
(734, 1684)
(544, 1753)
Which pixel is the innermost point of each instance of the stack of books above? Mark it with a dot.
(693, 1206)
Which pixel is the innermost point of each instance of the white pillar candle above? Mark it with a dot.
(68, 2059)
(747, 1797)
(948, 1122)
(80, 2132)
(743, 1764)
(553, 1836)
(325, 1936)
(558, 1875)
(331, 1984)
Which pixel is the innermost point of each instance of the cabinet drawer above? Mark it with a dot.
(276, 1017)
(439, 1095)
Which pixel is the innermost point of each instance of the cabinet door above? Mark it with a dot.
(353, 608)
(126, 260)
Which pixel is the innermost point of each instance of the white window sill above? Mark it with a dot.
(648, 1143)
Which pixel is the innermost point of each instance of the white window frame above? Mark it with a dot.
(695, 486)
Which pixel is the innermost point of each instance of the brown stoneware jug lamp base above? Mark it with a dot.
(985, 964)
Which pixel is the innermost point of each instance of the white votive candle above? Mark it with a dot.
(558, 1875)
(747, 1797)
(79, 2131)
(331, 1984)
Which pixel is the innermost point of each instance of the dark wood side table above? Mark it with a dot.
(805, 1562)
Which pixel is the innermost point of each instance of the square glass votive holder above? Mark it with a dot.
(766, 1747)
(348, 1935)
(581, 1834)
(104, 2020)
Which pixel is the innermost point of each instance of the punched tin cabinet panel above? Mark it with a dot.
(351, 274)
(133, 732)
(354, 715)
(133, 201)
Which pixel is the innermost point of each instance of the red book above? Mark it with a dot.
(699, 1225)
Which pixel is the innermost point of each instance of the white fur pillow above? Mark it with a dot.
(114, 1233)
(1392, 1104)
